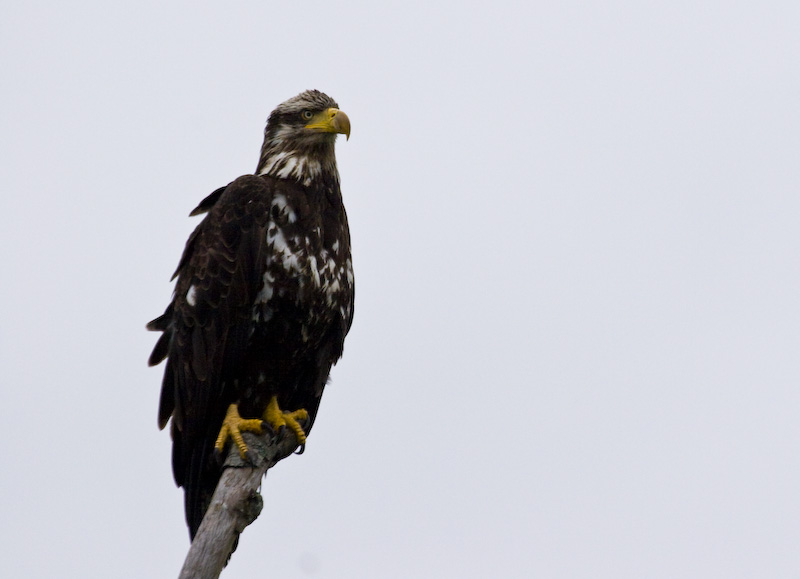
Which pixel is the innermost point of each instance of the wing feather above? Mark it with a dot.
(206, 327)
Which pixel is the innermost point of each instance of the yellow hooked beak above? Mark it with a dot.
(330, 121)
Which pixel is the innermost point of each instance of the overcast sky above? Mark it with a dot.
(575, 237)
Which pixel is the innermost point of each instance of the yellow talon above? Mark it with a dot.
(277, 418)
(232, 427)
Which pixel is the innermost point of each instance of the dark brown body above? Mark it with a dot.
(263, 301)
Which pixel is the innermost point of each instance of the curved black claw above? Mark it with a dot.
(301, 449)
(219, 457)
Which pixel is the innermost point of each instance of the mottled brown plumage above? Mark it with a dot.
(264, 294)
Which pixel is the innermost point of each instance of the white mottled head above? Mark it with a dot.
(299, 139)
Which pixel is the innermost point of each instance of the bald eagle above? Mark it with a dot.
(263, 300)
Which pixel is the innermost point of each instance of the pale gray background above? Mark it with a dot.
(575, 243)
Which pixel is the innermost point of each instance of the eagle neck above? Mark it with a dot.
(309, 166)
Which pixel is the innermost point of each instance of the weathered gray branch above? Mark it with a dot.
(235, 504)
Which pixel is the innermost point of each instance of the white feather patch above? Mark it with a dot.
(191, 296)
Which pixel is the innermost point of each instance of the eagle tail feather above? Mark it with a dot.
(201, 483)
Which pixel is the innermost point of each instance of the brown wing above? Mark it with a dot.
(206, 329)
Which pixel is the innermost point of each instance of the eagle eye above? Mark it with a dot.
(307, 115)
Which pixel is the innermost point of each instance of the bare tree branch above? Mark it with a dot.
(235, 504)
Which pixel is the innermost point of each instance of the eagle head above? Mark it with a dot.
(299, 139)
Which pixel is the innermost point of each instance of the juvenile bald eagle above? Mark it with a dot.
(263, 300)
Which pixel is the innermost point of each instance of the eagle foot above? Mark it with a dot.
(232, 427)
(280, 420)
